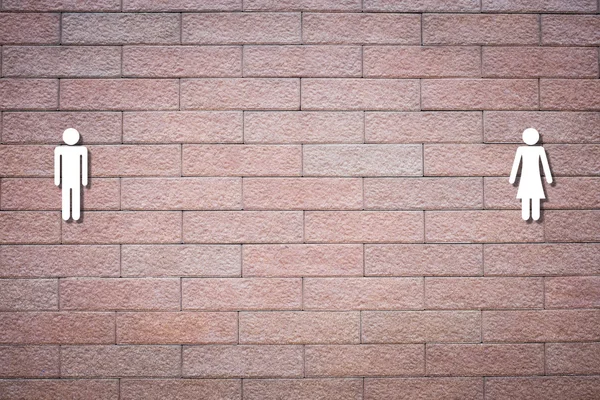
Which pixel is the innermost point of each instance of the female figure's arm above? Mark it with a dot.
(515, 167)
(546, 166)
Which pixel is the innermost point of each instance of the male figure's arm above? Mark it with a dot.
(57, 154)
(84, 166)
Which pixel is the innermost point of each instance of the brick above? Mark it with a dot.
(61, 61)
(408, 127)
(364, 226)
(302, 5)
(572, 292)
(119, 94)
(485, 359)
(573, 358)
(180, 260)
(535, 6)
(190, 61)
(243, 93)
(29, 28)
(120, 361)
(363, 293)
(181, 193)
(363, 160)
(42, 194)
(241, 28)
(423, 260)
(360, 94)
(242, 361)
(125, 227)
(421, 62)
(574, 159)
(301, 61)
(47, 127)
(542, 387)
(484, 293)
(423, 388)
(423, 193)
(120, 28)
(182, 5)
(183, 389)
(242, 226)
(540, 62)
(59, 261)
(55, 389)
(421, 6)
(469, 159)
(56, 328)
(129, 160)
(479, 94)
(182, 127)
(540, 326)
(299, 327)
(28, 94)
(555, 126)
(63, 5)
(28, 294)
(300, 260)
(303, 127)
(26, 160)
(572, 226)
(365, 360)
(420, 326)
(571, 30)
(569, 94)
(299, 389)
(176, 328)
(29, 361)
(361, 28)
(31, 227)
(480, 29)
(303, 194)
(234, 294)
(480, 226)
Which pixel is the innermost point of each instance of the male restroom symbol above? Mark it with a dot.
(71, 166)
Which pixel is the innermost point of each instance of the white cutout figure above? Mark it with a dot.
(74, 173)
(530, 184)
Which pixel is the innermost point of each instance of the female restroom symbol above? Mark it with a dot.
(530, 184)
(71, 164)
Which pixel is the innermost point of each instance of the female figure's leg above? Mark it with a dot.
(535, 209)
(525, 209)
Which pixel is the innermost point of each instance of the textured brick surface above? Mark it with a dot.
(28, 94)
(542, 387)
(29, 28)
(421, 6)
(184, 389)
(28, 294)
(31, 361)
(182, 5)
(80, 389)
(572, 292)
(302, 5)
(64, 5)
(298, 389)
(37, 227)
(570, 30)
(568, 94)
(535, 6)
(573, 358)
(423, 388)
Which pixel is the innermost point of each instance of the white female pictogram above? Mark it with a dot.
(71, 164)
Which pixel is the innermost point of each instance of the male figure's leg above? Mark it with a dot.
(76, 202)
(66, 202)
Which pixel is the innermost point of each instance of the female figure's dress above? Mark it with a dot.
(530, 184)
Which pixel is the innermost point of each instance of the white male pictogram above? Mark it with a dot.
(71, 170)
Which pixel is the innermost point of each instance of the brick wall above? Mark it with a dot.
(307, 199)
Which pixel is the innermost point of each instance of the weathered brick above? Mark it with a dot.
(536, 6)
(242, 361)
(29, 28)
(469, 159)
(55, 389)
(182, 61)
(303, 127)
(300, 389)
(363, 293)
(119, 94)
(572, 226)
(574, 159)
(361, 28)
(182, 5)
(302, 5)
(421, 6)
(420, 326)
(360, 94)
(180, 260)
(571, 30)
(363, 160)
(125, 227)
(482, 29)
(28, 294)
(225, 294)
(573, 358)
(120, 28)
(485, 359)
(120, 361)
(28, 94)
(409, 127)
(365, 360)
(421, 62)
(423, 388)
(61, 61)
(423, 259)
(129, 160)
(423, 193)
(572, 292)
(242, 226)
(303, 194)
(47, 127)
(29, 361)
(570, 94)
(177, 327)
(56, 328)
(59, 261)
(181, 389)
(542, 387)
(364, 226)
(29, 227)
(479, 94)
(480, 226)
(63, 5)
(541, 326)
(241, 28)
(303, 260)
(18, 160)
